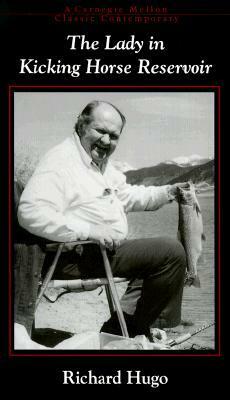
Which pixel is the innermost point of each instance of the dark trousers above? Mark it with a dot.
(156, 269)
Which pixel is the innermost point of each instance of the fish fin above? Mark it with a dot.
(197, 208)
(203, 237)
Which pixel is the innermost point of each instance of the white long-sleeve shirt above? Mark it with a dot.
(67, 193)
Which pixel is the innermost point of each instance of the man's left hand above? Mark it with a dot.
(173, 189)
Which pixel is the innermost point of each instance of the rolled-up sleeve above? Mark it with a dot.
(42, 206)
(140, 198)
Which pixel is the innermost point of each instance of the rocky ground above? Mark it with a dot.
(84, 313)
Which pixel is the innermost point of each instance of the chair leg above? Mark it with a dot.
(49, 275)
(113, 292)
(109, 299)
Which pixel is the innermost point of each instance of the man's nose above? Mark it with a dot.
(105, 139)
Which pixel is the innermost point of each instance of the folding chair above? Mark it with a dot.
(78, 285)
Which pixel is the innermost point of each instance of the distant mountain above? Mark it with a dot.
(165, 173)
(189, 161)
(157, 175)
(202, 173)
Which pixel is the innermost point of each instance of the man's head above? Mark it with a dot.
(99, 127)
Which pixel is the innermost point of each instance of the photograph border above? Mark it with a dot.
(216, 89)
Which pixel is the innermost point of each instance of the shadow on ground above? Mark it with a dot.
(50, 337)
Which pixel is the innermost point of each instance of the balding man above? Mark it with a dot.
(75, 193)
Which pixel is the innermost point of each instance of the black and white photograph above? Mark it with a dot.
(114, 222)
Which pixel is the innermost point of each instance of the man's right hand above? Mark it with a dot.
(104, 235)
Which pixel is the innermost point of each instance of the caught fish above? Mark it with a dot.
(190, 231)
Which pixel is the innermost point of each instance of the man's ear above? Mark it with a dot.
(78, 129)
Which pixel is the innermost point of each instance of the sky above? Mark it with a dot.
(160, 125)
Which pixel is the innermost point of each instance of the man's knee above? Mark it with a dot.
(176, 253)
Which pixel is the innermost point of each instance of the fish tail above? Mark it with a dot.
(192, 281)
(196, 282)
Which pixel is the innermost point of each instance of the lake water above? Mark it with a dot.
(198, 304)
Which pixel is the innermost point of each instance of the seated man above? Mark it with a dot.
(76, 194)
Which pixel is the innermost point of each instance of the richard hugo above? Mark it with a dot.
(128, 377)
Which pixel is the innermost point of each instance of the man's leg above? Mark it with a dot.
(169, 317)
(160, 262)
(157, 262)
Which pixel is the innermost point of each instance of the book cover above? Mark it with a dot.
(163, 66)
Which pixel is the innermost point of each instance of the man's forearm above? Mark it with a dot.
(141, 198)
(44, 222)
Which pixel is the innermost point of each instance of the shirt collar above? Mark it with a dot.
(84, 155)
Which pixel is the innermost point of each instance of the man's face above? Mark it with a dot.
(100, 137)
